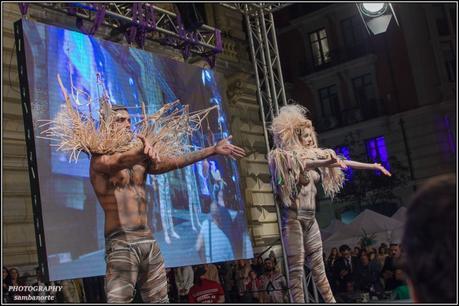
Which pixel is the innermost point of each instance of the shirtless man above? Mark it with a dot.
(118, 179)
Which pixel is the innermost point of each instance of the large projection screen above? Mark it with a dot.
(178, 202)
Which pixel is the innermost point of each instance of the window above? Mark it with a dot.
(363, 89)
(377, 152)
(329, 102)
(352, 31)
(344, 151)
(364, 96)
(319, 45)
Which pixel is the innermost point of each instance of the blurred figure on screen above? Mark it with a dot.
(165, 204)
(132, 254)
(429, 242)
(213, 244)
(218, 184)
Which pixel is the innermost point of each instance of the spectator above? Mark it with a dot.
(429, 242)
(241, 275)
(344, 268)
(227, 275)
(16, 280)
(16, 277)
(349, 295)
(272, 255)
(184, 278)
(373, 251)
(258, 266)
(372, 256)
(172, 290)
(401, 291)
(382, 255)
(273, 284)
(332, 257)
(204, 290)
(330, 267)
(211, 273)
(356, 253)
(72, 290)
(392, 262)
(367, 275)
(41, 283)
(253, 287)
(6, 283)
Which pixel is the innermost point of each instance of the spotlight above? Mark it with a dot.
(376, 16)
(373, 9)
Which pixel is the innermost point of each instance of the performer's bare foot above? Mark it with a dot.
(174, 234)
(167, 239)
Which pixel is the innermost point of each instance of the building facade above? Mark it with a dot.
(393, 93)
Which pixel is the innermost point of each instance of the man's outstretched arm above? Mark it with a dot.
(223, 147)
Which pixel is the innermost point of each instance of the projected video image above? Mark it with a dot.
(178, 202)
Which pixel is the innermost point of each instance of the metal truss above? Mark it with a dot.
(265, 57)
(156, 23)
(268, 6)
(268, 73)
(310, 289)
(270, 87)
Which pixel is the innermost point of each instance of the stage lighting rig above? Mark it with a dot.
(376, 16)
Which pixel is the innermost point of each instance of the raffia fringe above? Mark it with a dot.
(74, 132)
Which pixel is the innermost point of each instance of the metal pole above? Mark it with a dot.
(266, 74)
(279, 68)
(407, 152)
(260, 98)
(257, 79)
(269, 63)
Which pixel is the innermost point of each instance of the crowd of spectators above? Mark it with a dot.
(351, 272)
(255, 280)
(377, 272)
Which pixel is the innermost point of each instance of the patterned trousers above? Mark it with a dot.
(132, 261)
(302, 241)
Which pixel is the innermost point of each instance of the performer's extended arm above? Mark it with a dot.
(330, 161)
(223, 147)
(362, 166)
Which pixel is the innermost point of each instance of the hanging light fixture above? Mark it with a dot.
(374, 9)
(376, 16)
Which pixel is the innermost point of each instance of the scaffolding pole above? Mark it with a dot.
(270, 87)
(264, 51)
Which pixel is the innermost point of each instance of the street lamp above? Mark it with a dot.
(376, 16)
